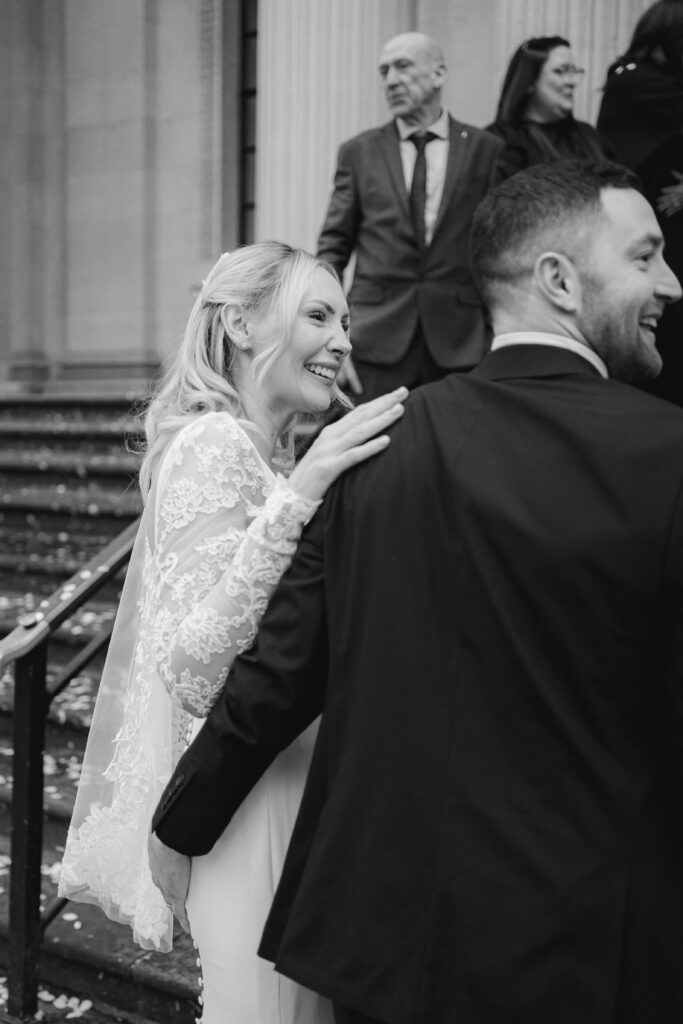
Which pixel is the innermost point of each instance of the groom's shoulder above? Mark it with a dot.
(455, 396)
(436, 416)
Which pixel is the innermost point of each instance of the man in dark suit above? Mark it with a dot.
(403, 200)
(489, 617)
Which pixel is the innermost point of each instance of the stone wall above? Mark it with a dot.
(125, 168)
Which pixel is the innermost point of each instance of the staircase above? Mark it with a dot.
(68, 486)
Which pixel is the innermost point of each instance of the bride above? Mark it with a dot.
(224, 508)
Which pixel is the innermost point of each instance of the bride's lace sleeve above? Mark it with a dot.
(226, 530)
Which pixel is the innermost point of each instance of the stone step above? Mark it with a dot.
(64, 749)
(84, 955)
(78, 404)
(25, 596)
(33, 535)
(80, 627)
(48, 556)
(26, 493)
(63, 521)
(67, 487)
(55, 1006)
(77, 461)
(73, 707)
(43, 558)
(65, 430)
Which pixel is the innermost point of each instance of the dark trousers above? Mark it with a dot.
(344, 1016)
(416, 367)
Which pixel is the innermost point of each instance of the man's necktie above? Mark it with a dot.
(418, 188)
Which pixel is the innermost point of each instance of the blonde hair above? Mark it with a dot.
(267, 277)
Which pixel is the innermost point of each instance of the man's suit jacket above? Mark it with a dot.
(395, 283)
(489, 615)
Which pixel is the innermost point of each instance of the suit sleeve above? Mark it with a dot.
(274, 691)
(670, 735)
(339, 233)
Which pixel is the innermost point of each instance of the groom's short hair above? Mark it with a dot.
(545, 207)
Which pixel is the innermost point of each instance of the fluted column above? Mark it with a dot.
(317, 85)
(112, 170)
(479, 38)
(598, 31)
(27, 219)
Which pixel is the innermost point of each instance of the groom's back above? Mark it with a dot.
(498, 590)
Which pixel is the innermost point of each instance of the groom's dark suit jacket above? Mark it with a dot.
(490, 615)
(394, 283)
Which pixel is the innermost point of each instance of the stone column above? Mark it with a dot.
(317, 85)
(479, 39)
(113, 169)
(29, 223)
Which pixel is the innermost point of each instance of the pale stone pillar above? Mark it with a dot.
(142, 105)
(317, 85)
(113, 171)
(28, 312)
(480, 37)
(465, 30)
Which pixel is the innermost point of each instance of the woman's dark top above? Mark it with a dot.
(642, 105)
(642, 115)
(528, 142)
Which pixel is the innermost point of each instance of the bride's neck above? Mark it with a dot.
(269, 426)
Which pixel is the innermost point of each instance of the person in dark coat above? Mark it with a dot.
(535, 115)
(642, 115)
(416, 313)
(489, 620)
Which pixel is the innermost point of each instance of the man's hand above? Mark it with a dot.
(171, 875)
(670, 199)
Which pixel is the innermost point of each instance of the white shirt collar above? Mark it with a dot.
(439, 127)
(552, 341)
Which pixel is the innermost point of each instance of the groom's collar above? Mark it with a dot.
(552, 341)
(530, 358)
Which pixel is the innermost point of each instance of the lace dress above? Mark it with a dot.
(218, 531)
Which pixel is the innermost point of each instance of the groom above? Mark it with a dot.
(489, 617)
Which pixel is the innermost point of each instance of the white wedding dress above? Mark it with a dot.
(218, 530)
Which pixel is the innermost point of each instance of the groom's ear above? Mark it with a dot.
(559, 281)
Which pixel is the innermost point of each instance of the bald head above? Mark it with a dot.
(413, 70)
(417, 43)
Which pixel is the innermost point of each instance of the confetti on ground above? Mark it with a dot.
(52, 871)
(76, 1007)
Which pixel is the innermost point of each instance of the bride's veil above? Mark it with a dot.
(127, 761)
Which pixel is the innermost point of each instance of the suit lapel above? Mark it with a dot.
(391, 151)
(458, 142)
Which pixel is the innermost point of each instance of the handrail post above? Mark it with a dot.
(27, 832)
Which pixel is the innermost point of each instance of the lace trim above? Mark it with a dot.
(224, 532)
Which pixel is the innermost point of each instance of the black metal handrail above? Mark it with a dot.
(26, 648)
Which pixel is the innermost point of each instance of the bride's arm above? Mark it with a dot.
(221, 551)
(218, 568)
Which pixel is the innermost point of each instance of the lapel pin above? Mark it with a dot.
(463, 135)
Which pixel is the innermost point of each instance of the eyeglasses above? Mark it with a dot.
(567, 71)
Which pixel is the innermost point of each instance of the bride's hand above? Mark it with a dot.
(343, 444)
(171, 875)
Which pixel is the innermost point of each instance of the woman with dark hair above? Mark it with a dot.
(535, 115)
(642, 115)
